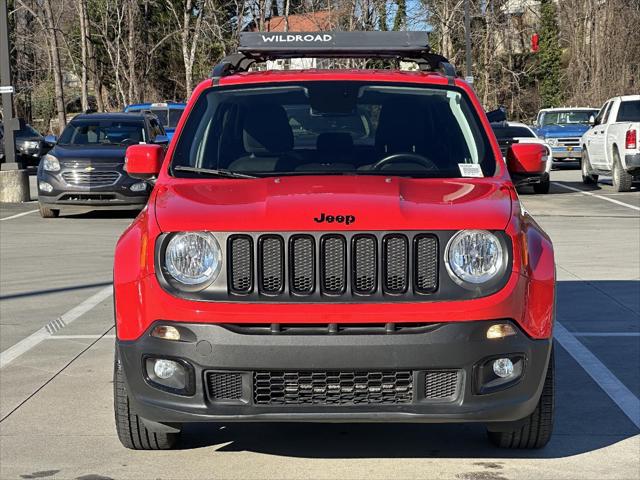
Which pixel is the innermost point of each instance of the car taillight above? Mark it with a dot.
(631, 139)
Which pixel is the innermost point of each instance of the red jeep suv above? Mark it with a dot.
(337, 245)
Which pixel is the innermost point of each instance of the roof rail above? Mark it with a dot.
(263, 46)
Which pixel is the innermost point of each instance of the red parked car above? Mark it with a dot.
(335, 246)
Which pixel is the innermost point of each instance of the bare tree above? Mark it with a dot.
(55, 60)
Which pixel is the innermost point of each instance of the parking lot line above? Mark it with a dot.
(606, 380)
(26, 344)
(17, 215)
(585, 192)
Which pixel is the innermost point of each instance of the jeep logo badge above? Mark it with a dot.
(346, 219)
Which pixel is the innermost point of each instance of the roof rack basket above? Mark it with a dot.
(402, 46)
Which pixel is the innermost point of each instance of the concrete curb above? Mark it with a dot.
(14, 186)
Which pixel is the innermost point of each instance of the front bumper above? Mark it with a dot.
(116, 195)
(460, 347)
(566, 153)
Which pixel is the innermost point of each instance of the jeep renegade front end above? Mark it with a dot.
(333, 246)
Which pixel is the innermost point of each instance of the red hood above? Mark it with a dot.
(292, 203)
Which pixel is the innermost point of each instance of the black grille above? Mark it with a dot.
(426, 263)
(241, 264)
(302, 265)
(333, 265)
(272, 258)
(440, 385)
(224, 386)
(334, 271)
(395, 260)
(332, 387)
(365, 264)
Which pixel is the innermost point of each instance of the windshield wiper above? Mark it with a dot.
(213, 172)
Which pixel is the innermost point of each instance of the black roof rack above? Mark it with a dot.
(263, 46)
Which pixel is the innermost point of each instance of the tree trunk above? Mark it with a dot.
(55, 62)
(131, 54)
(84, 40)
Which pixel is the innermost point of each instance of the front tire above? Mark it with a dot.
(46, 212)
(535, 431)
(132, 432)
(622, 181)
(588, 177)
(544, 185)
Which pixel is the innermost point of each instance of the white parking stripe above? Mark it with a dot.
(612, 200)
(617, 391)
(18, 215)
(23, 346)
(74, 337)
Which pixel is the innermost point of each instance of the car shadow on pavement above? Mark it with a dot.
(100, 214)
(586, 418)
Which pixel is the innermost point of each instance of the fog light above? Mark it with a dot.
(45, 186)
(138, 187)
(167, 368)
(500, 330)
(503, 367)
(175, 376)
(166, 332)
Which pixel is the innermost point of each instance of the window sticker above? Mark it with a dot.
(470, 170)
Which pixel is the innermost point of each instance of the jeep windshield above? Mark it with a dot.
(333, 128)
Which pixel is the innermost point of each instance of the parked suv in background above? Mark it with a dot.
(168, 113)
(30, 144)
(338, 246)
(612, 145)
(86, 165)
(562, 128)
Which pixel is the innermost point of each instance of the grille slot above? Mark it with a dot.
(334, 271)
(90, 179)
(241, 264)
(224, 386)
(426, 263)
(395, 261)
(272, 264)
(365, 264)
(302, 260)
(440, 385)
(332, 387)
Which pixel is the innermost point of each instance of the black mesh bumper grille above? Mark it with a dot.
(332, 388)
(224, 386)
(333, 265)
(441, 385)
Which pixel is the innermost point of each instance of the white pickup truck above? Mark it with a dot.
(612, 145)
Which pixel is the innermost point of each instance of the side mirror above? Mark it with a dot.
(592, 120)
(526, 158)
(144, 161)
(161, 140)
(50, 140)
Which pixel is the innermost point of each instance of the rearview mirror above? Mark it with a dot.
(50, 140)
(144, 161)
(526, 158)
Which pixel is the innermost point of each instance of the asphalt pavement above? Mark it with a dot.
(56, 360)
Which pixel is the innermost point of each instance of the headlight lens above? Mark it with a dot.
(193, 258)
(50, 163)
(474, 256)
(552, 141)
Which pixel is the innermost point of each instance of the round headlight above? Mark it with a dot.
(474, 256)
(50, 163)
(193, 258)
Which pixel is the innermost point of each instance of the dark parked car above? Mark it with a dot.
(86, 165)
(30, 145)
